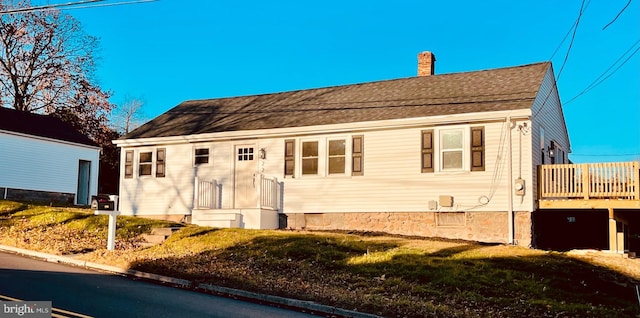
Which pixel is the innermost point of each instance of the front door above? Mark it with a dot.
(246, 178)
(84, 182)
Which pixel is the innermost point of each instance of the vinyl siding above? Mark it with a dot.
(548, 116)
(44, 165)
(393, 180)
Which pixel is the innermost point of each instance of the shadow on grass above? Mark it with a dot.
(407, 283)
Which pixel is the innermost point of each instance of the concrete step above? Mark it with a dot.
(154, 238)
(157, 236)
(167, 231)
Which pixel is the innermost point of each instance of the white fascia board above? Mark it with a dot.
(327, 129)
(8, 132)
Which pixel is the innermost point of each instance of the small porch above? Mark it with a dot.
(611, 186)
(259, 213)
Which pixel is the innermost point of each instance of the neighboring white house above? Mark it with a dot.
(451, 155)
(44, 159)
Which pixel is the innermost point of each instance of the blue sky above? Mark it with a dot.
(168, 51)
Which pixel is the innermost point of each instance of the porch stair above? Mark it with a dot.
(216, 218)
(157, 236)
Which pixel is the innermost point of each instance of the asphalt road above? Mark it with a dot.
(95, 294)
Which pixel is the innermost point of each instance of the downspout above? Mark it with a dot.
(510, 184)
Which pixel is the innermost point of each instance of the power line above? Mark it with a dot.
(617, 16)
(573, 36)
(600, 78)
(48, 7)
(71, 5)
(566, 57)
(568, 32)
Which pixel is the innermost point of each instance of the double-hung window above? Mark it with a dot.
(309, 157)
(337, 156)
(145, 163)
(451, 149)
(332, 156)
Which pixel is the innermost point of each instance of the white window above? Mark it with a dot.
(451, 149)
(145, 163)
(337, 156)
(245, 154)
(310, 157)
(201, 156)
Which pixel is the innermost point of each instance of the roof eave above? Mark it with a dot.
(328, 129)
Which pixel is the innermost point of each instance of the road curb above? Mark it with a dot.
(309, 306)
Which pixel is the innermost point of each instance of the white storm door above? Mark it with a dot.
(246, 178)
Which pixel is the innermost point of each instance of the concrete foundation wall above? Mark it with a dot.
(490, 227)
(56, 198)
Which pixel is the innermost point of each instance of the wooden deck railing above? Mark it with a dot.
(616, 180)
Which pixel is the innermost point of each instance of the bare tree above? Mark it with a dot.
(129, 116)
(46, 66)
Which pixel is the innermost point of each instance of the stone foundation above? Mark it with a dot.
(54, 198)
(489, 227)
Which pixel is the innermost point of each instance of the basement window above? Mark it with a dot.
(450, 219)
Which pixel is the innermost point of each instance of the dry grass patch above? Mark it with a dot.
(386, 275)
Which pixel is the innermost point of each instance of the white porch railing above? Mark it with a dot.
(206, 194)
(269, 191)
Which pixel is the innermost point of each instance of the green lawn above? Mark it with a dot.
(387, 275)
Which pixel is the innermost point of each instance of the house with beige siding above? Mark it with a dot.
(44, 159)
(440, 155)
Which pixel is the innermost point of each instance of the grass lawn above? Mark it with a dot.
(390, 276)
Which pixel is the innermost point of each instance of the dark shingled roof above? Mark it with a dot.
(481, 91)
(40, 125)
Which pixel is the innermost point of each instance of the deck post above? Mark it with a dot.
(613, 233)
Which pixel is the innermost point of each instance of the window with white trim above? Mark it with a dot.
(329, 156)
(336, 156)
(451, 149)
(201, 156)
(245, 154)
(309, 157)
(145, 163)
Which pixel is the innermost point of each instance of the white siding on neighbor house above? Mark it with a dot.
(44, 165)
(547, 116)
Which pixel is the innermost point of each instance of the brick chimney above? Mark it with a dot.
(426, 63)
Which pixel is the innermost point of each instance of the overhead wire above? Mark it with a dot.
(600, 78)
(83, 4)
(574, 28)
(617, 16)
(573, 36)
